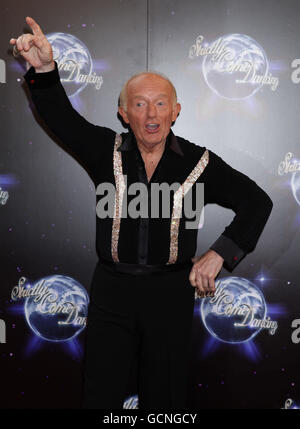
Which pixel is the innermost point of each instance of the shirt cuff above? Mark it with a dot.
(229, 250)
(41, 80)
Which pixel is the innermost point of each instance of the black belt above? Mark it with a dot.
(143, 269)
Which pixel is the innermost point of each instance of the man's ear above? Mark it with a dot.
(123, 114)
(176, 112)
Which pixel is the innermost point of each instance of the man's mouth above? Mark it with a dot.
(152, 128)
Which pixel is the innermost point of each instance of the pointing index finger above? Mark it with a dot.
(36, 29)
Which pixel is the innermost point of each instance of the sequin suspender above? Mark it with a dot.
(177, 205)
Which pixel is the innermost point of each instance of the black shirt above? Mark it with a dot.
(146, 240)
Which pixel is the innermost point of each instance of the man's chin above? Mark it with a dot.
(153, 139)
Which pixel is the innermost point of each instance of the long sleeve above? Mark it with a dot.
(232, 189)
(83, 139)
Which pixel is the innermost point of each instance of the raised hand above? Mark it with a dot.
(34, 48)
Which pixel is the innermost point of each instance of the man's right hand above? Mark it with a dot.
(35, 48)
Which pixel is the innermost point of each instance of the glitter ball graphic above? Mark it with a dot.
(59, 311)
(131, 402)
(236, 68)
(73, 60)
(237, 301)
(295, 184)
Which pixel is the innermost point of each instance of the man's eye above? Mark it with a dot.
(160, 103)
(139, 104)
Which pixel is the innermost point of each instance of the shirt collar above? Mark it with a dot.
(129, 143)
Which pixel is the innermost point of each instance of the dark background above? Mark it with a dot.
(48, 223)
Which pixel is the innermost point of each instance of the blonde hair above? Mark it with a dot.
(123, 93)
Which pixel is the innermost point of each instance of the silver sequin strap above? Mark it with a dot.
(177, 205)
(120, 187)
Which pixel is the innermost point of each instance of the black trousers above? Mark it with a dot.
(147, 319)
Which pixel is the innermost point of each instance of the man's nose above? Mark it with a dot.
(151, 110)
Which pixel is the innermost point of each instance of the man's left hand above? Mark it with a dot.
(204, 271)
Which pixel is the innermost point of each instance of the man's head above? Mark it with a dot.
(148, 103)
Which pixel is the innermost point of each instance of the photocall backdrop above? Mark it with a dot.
(236, 67)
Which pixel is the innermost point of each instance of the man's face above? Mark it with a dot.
(150, 109)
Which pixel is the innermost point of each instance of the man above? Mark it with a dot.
(142, 292)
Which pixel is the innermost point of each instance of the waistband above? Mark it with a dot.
(143, 269)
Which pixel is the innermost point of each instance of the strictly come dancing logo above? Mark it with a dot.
(55, 307)
(234, 66)
(290, 404)
(291, 165)
(132, 402)
(237, 312)
(3, 196)
(74, 63)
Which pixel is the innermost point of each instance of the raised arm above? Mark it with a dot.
(83, 139)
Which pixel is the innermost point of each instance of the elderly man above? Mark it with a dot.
(143, 288)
